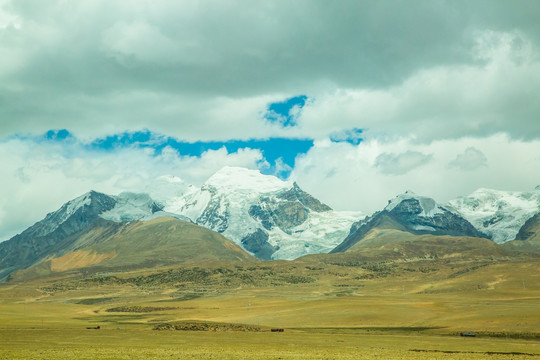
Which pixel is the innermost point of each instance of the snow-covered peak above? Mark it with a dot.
(428, 205)
(57, 218)
(237, 179)
(398, 199)
(499, 214)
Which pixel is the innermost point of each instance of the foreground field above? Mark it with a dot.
(314, 344)
(328, 310)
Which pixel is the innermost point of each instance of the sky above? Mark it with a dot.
(356, 101)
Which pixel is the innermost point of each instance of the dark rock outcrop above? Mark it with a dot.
(257, 243)
(283, 214)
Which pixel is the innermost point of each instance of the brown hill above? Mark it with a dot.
(397, 244)
(383, 245)
(143, 244)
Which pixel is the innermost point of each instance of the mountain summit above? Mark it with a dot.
(230, 178)
(269, 217)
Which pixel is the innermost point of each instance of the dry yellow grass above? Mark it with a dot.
(146, 344)
(79, 259)
(379, 311)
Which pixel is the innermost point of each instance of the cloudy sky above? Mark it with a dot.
(355, 100)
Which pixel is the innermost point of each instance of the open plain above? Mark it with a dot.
(328, 309)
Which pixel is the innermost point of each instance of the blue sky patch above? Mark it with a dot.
(284, 112)
(274, 150)
(143, 138)
(280, 153)
(57, 135)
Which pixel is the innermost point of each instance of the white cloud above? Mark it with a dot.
(471, 159)
(398, 164)
(7, 19)
(131, 43)
(207, 70)
(348, 177)
(497, 93)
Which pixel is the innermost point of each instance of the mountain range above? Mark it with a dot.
(240, 214)
(413, 214)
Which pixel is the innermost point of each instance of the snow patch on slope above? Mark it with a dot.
(137, 206)
(130, 207)
(191, 205)
(74, 205)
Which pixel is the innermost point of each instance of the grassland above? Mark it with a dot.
(146, 344)
(329, 309)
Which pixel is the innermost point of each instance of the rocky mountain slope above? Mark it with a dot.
(413, 214)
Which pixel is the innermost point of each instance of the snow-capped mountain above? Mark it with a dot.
(415, 214)
(499, 214)
(423, 214)
(73, 215)
(54, 232)
(271, 218)
(416, 206)
(130, 206)
(268, 217)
